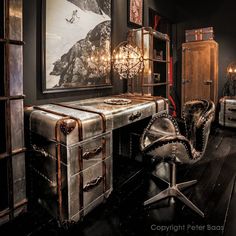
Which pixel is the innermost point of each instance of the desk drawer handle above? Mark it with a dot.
(92, 184)
(135, 116)
(232, 109)
(41, 151)
(93, 153)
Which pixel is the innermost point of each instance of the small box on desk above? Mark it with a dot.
(199, 34)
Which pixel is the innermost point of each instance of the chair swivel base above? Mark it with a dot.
(174, 191)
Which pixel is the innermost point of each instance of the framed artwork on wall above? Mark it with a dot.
(75, 45)
(135, 12)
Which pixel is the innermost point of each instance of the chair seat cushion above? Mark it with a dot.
(171, 148)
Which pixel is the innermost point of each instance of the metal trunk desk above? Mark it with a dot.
(71, 161)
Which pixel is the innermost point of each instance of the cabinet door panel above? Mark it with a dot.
(199, 78)
(197, 70)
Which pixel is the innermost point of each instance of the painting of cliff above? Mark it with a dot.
(77, 44)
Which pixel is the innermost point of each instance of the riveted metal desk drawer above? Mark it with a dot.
(80, 193)
(76, 157)
(71, 158)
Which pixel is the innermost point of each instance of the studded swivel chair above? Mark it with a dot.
(163, 140)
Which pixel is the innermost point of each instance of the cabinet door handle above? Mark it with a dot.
(92, 184)
(186, 81)
(186, 49)
(208, 81)
(87, 155)
(135, 116)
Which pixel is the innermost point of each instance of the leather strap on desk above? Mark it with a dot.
(103, 140)
(58, 157)
(86, 110)
(64, 115)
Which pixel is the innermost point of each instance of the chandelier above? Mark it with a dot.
(127, 60)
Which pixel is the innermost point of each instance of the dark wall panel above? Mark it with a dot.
(220, 15)
(32, 80)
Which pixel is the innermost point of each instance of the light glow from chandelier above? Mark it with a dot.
(127, 60)
(100, 59)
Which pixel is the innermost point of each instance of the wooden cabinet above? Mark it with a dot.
(200, 70)
(155, 48)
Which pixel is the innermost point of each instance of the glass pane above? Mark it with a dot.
(15, 19)
(2, 19)
(3, 185)
(16, 70)
(18, 167)
(2, 127)
(2, 52)
(17, 125)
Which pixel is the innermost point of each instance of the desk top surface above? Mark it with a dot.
(95, 115)
(100, 105)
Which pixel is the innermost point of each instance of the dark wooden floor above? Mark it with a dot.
(124, 214)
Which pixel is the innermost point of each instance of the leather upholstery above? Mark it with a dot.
(198, 116)
(162, 138)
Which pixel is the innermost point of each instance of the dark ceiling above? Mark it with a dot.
(185, 10)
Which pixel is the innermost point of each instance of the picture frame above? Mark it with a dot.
(135, 12)
(75, 46)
